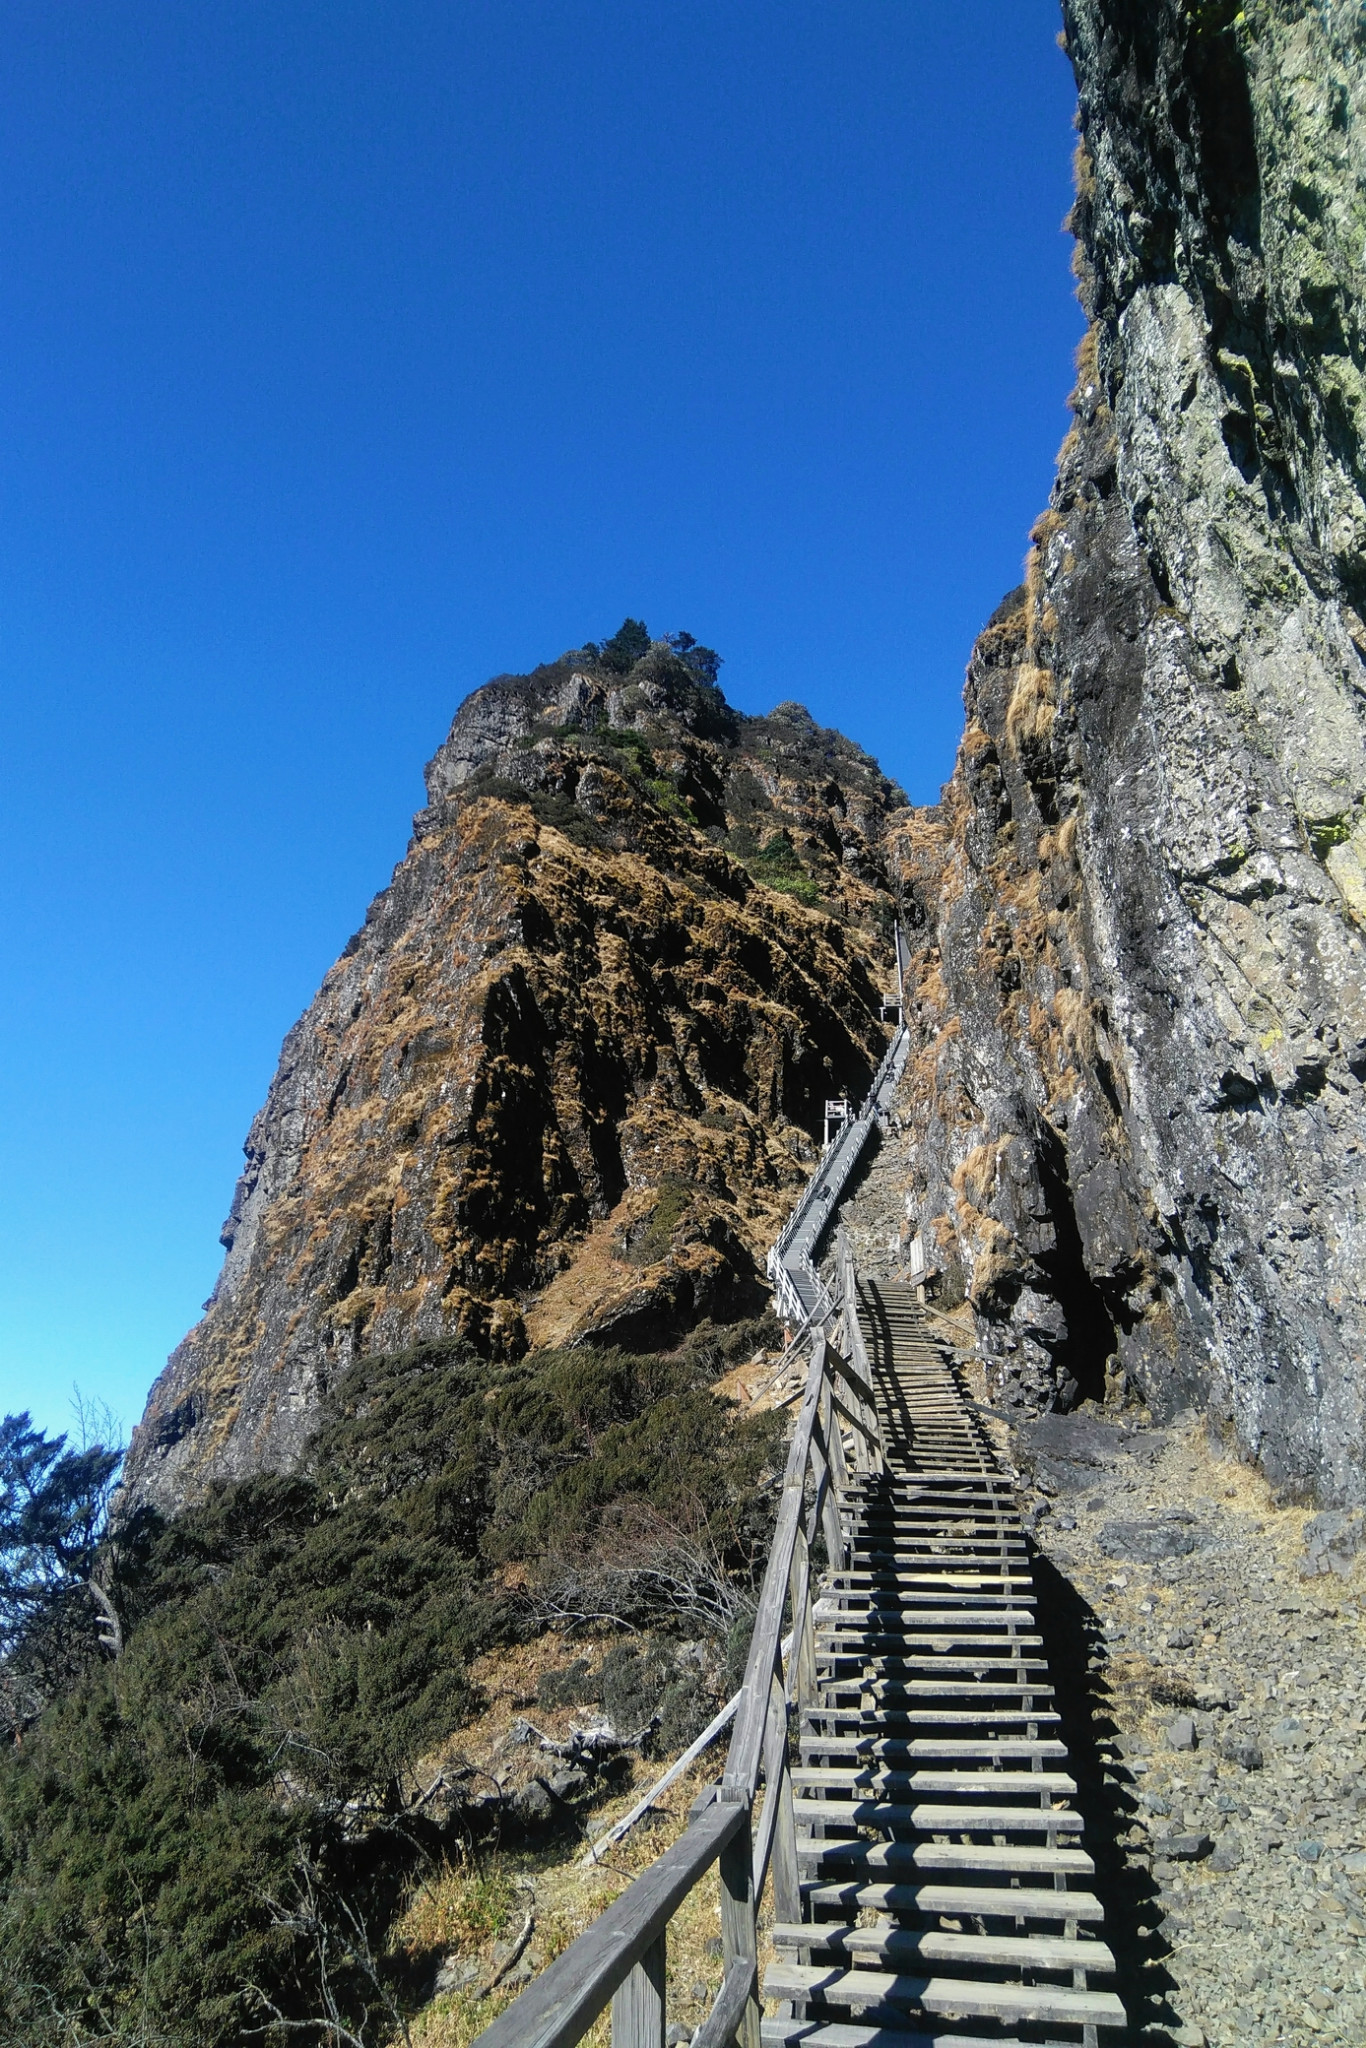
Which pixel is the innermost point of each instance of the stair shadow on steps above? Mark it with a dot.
(1106, 1798)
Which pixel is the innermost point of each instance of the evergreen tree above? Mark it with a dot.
(626, 646)
(54, 1506)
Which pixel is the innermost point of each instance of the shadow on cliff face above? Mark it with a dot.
(1055, 1321)
(1090, 1342)
(1105, 1798)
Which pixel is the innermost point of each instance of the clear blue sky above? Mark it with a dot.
(351, 353)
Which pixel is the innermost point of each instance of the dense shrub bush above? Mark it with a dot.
(206, 1840)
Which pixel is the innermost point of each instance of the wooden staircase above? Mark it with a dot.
(943, 1877)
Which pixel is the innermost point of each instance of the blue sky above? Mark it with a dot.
(350, 354)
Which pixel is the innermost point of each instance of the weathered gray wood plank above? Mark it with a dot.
(558, 2006)
(726, 2017)
(900, 1946)
(1042, 2003)
(638, 2007)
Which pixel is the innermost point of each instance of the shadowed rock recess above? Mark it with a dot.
(565, 1082)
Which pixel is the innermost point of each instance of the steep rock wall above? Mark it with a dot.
(1136, 1116)
(564, 1084)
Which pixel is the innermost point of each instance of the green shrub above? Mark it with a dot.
(184, 1829)
(777, 866)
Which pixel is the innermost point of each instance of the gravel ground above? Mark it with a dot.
(1219, 1731)
(1182, 1606)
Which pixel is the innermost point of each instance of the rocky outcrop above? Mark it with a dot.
(1136, 1114)
(563, 1083)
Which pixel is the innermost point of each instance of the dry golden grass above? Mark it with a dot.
(467, 1908)
(1033, 706)
(1066, 844)
(480, 1900)
(978, 1176)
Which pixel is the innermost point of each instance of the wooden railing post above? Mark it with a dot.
(782, 1829)
(830, 1514)
(802, 1661)
(638, 2007)
(839, 1471)
(739, 1927)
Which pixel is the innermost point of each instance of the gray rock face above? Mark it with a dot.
(1133, 1124)
(1138, 1121)
(1331, 1541)
(1146, 1542)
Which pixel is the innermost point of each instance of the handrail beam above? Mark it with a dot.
(558, 2007)
(719, 2028)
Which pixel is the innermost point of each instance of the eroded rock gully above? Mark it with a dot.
(565, 1082)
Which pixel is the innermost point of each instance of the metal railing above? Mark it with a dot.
(622, 1957)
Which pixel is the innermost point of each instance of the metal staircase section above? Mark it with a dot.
(943, 1877)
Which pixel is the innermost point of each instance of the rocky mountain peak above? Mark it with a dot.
(564, 1082)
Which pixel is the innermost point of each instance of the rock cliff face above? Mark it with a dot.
(1136, 1117)
(564, 1082)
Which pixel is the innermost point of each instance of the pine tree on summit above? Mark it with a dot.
(626, 646)
(704, 662)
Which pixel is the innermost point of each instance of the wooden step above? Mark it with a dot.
(903, 1689)
(880, 1667)
(992, 1902)
(945, 1475)
(918, 1536)
(934, 1572)
(937, 1514)
(1005, 1749)
(930, 1579)
(990, 1859)
(903, 1948)
(994, 1492)
(962, 1552)
(912, 1555)
(907, 1526)
(948, 1996)
(1056, 1784)
(954, 1477)
(845, 1641)
(927, 1593)
(934, 1513)
(952, 1610)
(933, 1818)
(927, 1717)
(941, 1509)
(832, 2034)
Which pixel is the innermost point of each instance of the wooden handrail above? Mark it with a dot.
(560, 2005)
(746, 1744)
(621, 1957)
(719, 2028)
(852, 1378)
